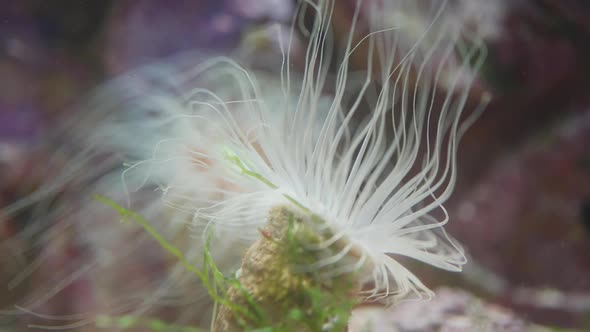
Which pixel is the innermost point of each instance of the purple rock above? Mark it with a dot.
(525, 220)
(142, 31)
(145, 30)
(18, 124)
(449, 311)
(274, 10)
(19, 91)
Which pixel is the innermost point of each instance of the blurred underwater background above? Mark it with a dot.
(521, 207)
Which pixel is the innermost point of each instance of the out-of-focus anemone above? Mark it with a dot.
(219, 146)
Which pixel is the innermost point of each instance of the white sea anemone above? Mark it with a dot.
(230, 151)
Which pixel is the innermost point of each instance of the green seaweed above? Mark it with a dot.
(317, 308)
